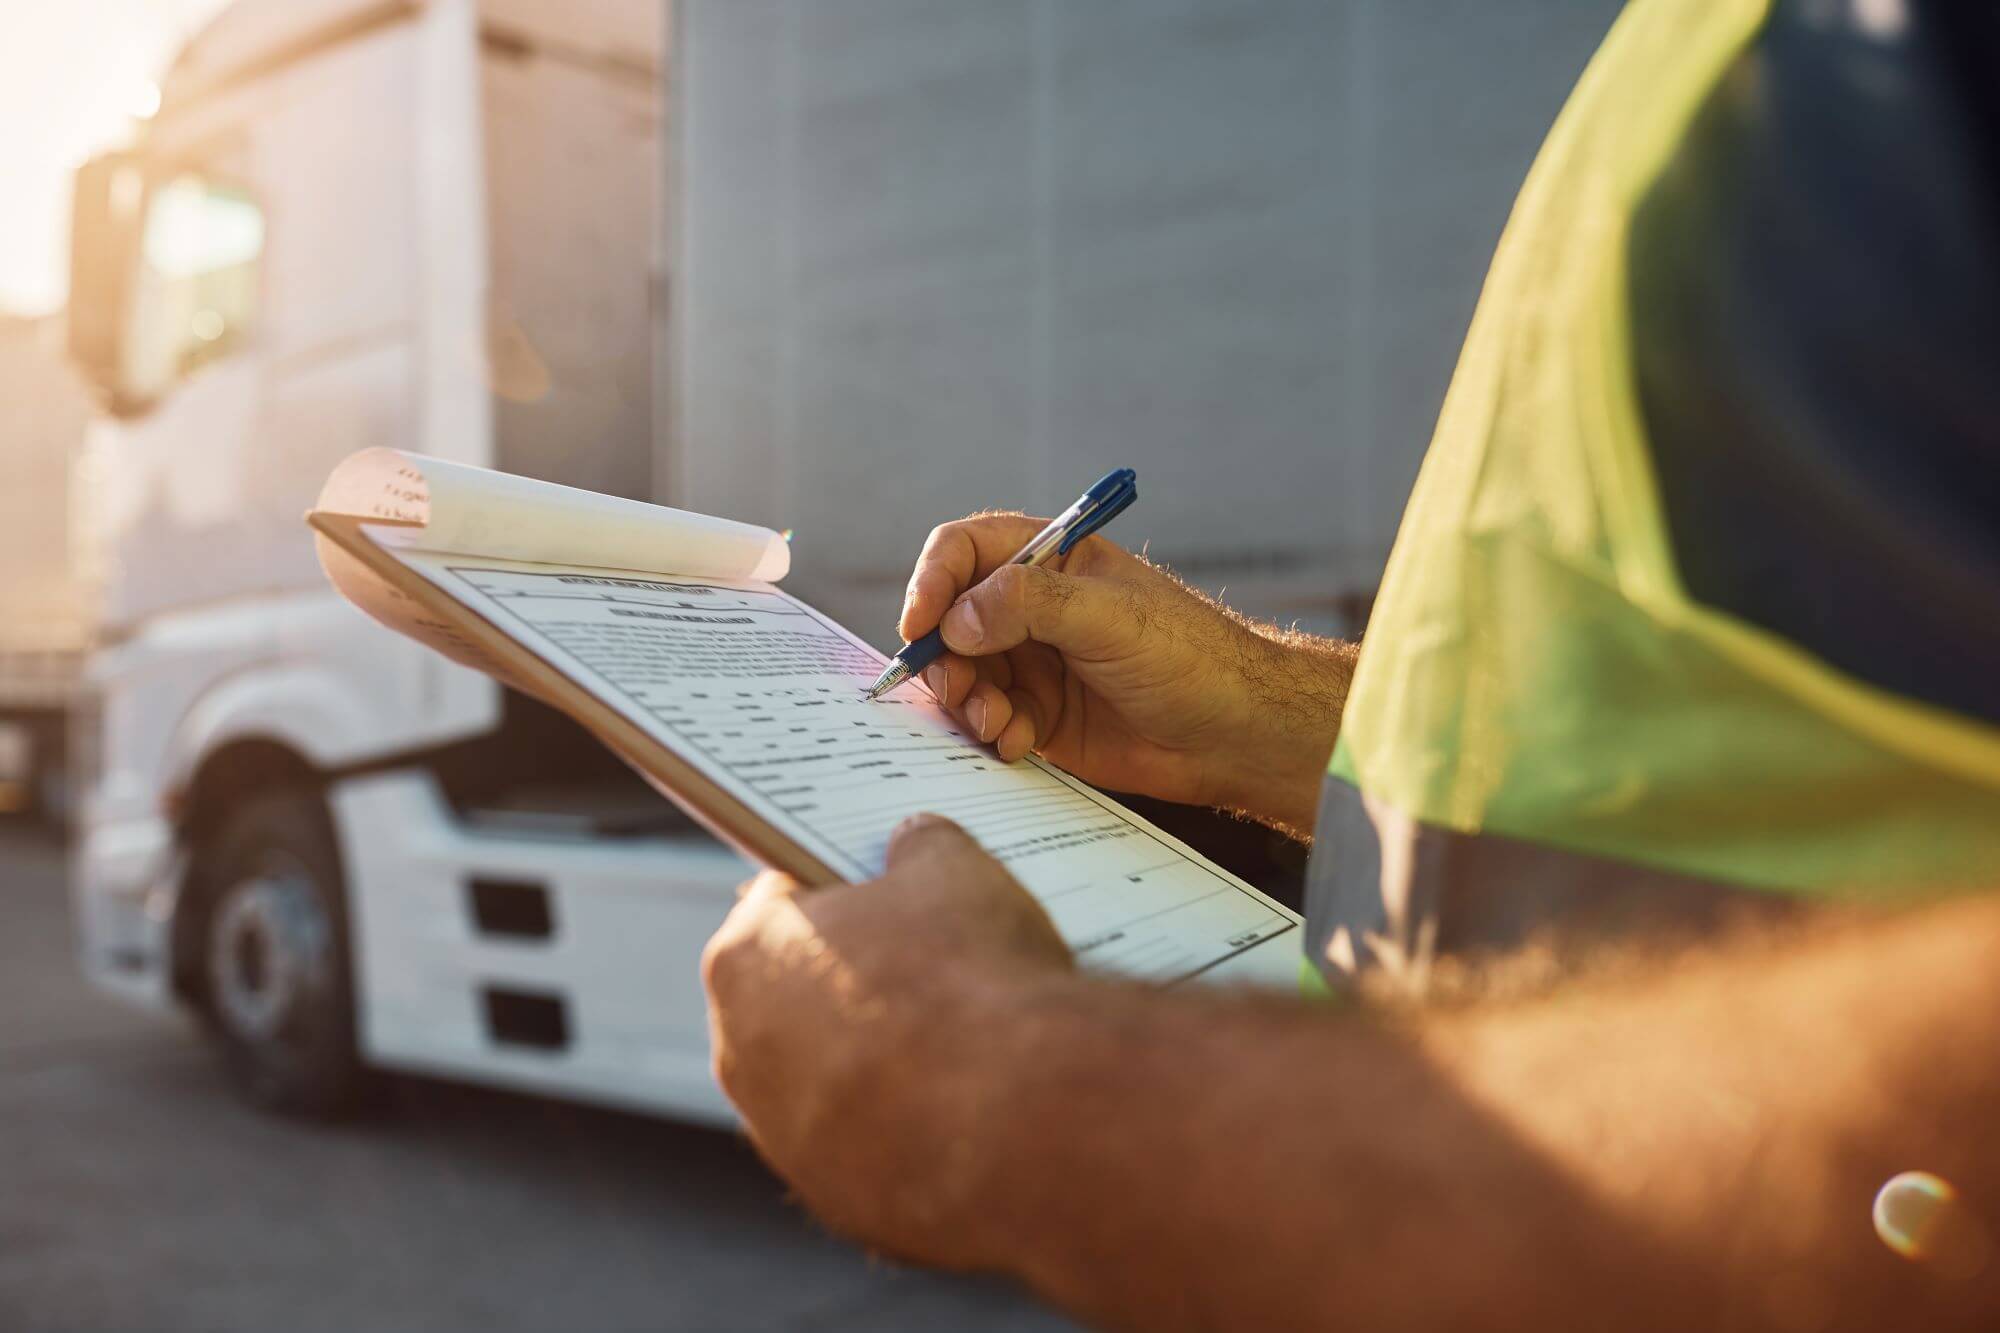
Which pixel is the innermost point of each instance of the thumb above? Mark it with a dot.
(1075, 616)
(768, 884)
(922, 838)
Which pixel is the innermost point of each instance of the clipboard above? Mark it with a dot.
(714, 808)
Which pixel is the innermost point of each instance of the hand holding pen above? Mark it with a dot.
(1115, 671)
(1092, 510)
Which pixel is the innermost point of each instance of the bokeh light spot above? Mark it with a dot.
(1910, 1212)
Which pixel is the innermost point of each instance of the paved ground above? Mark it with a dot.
(136, 1194)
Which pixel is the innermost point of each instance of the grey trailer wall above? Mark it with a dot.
(937, 255)
(570, 100)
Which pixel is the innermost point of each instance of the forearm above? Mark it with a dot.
(1665, 1153)
(1193, 1161)
(1298, 685)
(1748, 1106)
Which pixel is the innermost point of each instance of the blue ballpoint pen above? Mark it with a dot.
(1092, 510)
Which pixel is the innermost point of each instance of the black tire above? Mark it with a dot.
(276, 978)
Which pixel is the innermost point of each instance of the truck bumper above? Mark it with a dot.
(610, 963)
(125, 875)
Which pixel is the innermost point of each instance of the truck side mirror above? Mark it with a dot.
(105, 217)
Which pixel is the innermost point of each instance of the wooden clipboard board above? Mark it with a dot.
(715, 809)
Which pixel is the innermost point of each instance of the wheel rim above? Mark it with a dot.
(268, 946)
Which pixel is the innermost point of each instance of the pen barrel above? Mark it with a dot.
(1048, 541)
(924, 651)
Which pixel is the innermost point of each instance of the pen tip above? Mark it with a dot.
(896, 673)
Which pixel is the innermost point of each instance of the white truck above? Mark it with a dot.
(839, 265)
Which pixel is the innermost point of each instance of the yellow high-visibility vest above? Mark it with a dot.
(1534, 671)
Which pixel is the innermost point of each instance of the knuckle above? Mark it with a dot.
(935, 557)
(721, 958)
(1008, 585)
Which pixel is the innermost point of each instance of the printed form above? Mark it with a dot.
(765, 695)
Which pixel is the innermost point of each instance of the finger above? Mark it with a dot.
(1027, 705)
(923, 839)
(950, 678)
(1018, 736)
(768, 884)
(987, 711)
(1038, 670)
(736, 939)
(956, 556)
(1087, 618)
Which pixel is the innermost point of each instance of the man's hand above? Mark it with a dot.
(841, 1019)
(1115, 671)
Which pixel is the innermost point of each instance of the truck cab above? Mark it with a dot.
(428, 225)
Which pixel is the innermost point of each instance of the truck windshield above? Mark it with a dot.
(198, 277)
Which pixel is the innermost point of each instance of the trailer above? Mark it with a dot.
(843, 266)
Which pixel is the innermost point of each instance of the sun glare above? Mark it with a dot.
(76, 77)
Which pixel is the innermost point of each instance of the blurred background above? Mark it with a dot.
(850, 267)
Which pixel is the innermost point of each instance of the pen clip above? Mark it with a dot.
(1098, 517)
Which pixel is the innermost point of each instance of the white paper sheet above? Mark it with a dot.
(764, 695)
(456, 507)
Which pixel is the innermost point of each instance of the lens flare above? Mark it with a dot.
(1913, 1211)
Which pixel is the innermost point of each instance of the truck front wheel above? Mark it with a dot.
(277, 983)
